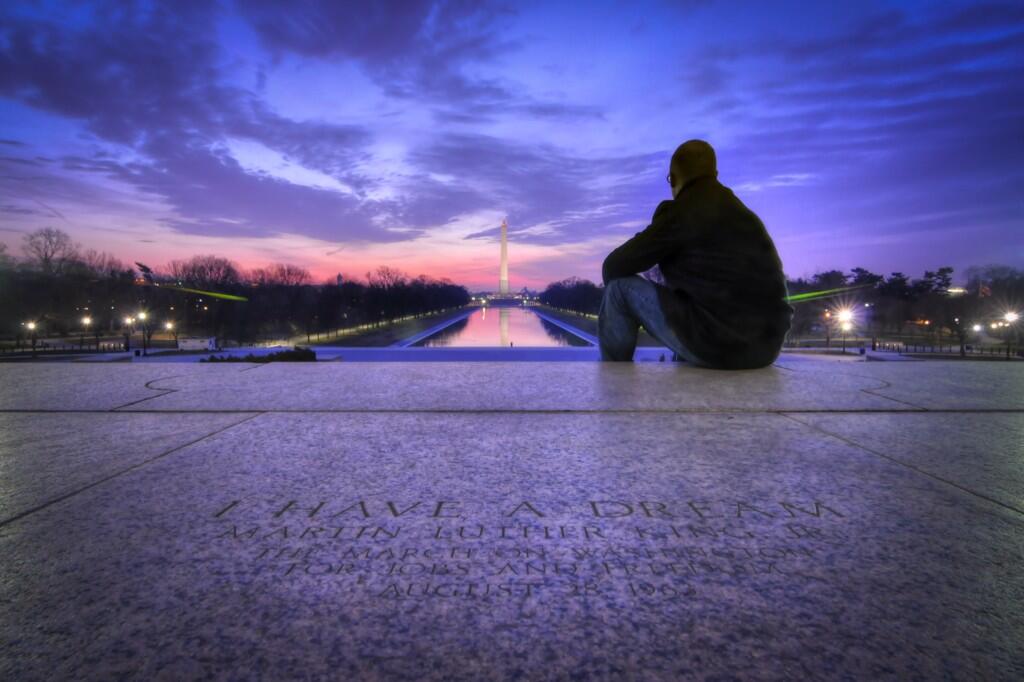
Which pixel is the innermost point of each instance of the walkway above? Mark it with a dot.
(821, 518)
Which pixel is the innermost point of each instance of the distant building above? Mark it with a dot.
(503, 289)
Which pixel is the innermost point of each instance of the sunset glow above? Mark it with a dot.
(343, 136)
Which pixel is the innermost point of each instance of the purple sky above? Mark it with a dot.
(343, 135)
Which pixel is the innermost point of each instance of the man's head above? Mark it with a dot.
(691, 160)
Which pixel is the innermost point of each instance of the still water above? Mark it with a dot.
(502, 327)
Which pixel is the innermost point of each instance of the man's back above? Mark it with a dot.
(725, 289)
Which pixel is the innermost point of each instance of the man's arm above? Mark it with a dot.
(646, 249)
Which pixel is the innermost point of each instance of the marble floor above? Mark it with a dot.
(821, 518)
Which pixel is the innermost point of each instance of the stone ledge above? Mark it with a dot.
(801, 384)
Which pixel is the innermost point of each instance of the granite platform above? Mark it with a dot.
(822, 518)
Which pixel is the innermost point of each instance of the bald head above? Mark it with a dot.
(691, 160)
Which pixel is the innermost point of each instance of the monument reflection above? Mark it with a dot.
(503, 327)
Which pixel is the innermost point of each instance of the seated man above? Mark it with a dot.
(724, 303)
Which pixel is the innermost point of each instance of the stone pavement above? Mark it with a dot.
(820, 518)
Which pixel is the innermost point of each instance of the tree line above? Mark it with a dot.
(58, 284)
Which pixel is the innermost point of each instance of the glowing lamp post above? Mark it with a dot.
(845, 318)
(1011, 318)
(845, 326)
(128, 321)
(32, 328)
(142, 318)
(86, 321)
(169, 326)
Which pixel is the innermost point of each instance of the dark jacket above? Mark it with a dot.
(725, 293)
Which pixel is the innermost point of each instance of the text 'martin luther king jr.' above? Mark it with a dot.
(724, 300)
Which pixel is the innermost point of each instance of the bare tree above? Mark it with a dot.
(102, 263)
(205, 270)
(386, 277)
(280, 274)
(51, 249)
(5, 260)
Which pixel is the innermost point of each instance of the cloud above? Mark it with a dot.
(381, 30)
(902, 114)
(415, 50)
(777, 180)
(551, 196)
(149, 81)
(820, 125)
(909, 109)
(18, 210)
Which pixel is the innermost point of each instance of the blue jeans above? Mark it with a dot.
(628, 303)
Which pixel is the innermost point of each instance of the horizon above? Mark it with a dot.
(245, 273)
(340, 139)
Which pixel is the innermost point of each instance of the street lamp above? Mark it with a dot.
(142, 318)
(1011, 318)
(169, 326)
(128, 333)
(32, 328)
(845, 317)
(976, 328)
(86, 321)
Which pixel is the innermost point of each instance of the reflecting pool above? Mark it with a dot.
(498, 326)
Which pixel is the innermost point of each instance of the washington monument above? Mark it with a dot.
(503, 273)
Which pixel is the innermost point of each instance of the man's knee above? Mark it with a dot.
(612, 296)
(618, 288)
(613, 288)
